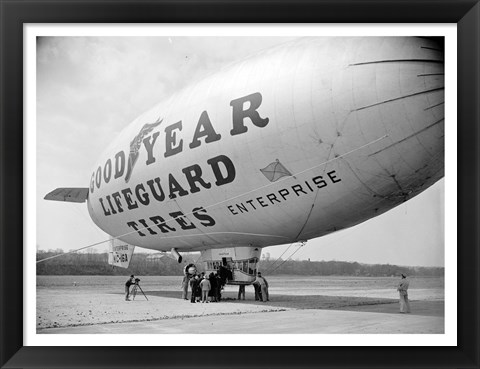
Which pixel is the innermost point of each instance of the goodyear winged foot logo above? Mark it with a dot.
(135, 145)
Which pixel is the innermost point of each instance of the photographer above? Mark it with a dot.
(129, 282)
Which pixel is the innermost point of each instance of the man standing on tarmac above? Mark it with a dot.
(241, 292)
(403, 292)
(205, 284)
(129, 282)
(266, 289)
(194, 283)
(185, 283)
(260, 281)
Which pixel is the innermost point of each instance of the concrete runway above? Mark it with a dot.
(298, 321)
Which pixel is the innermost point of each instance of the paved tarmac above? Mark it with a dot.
(381, 318)
(297, 321)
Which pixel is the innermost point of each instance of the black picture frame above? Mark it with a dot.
(14, 14)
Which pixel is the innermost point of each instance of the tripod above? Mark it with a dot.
(136, 286)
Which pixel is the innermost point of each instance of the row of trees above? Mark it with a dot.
(150, 264)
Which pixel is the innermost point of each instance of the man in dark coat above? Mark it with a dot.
(194, 284)
(219, 285)
(129, 282)
(258, 292)
(213, 290)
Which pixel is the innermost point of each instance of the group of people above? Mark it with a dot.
(204, 288)
(208, 288)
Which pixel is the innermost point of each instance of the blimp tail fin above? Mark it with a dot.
(68, 194)
(120, 253)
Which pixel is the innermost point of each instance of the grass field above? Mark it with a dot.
(313, 282)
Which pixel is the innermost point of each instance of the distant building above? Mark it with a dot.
(155, 258)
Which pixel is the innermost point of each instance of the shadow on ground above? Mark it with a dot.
(366, 304)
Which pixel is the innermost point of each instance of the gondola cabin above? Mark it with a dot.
(240, 263)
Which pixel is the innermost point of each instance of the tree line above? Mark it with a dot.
(152, 264)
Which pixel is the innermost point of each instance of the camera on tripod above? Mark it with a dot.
(136, 286)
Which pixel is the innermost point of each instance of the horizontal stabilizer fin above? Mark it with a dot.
(68, 194)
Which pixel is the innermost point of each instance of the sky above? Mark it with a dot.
(89, 88)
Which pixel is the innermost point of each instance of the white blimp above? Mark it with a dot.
(293, 143)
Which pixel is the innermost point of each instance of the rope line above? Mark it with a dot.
(303, 244)
(72, 251)
(271, 266)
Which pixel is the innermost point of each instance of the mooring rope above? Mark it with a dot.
(303, 244)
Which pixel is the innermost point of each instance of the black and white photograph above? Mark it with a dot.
(241, 185)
